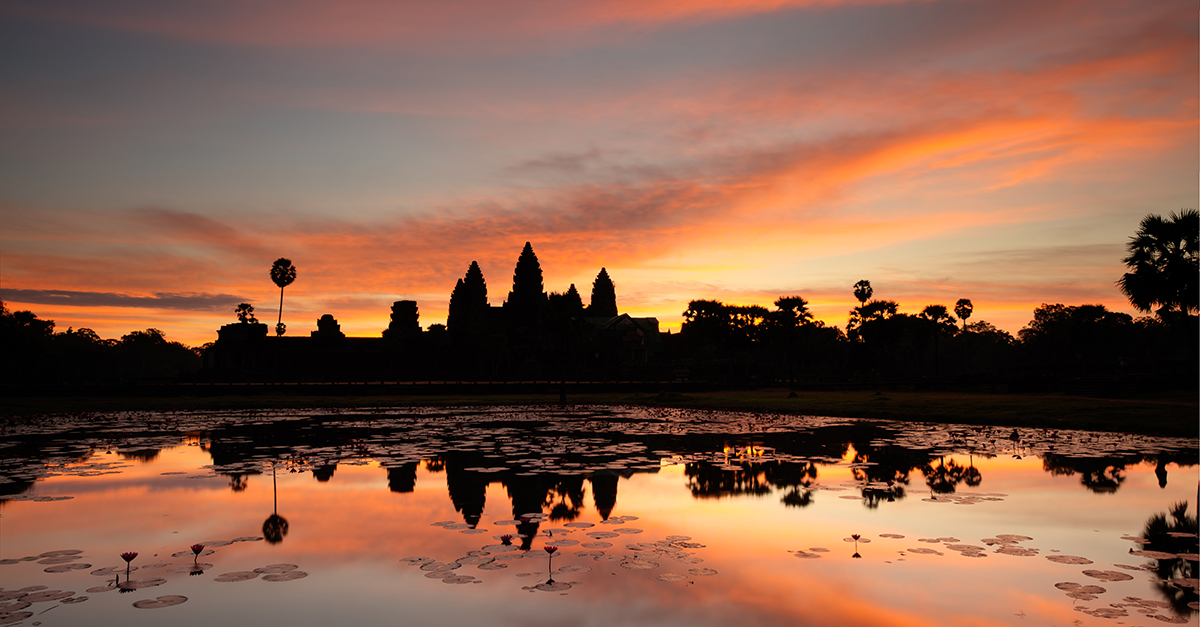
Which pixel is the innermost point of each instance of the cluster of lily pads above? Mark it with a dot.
(1010, 544)
(14, 603)
(595, 544)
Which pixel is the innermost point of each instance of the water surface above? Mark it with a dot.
(653, 517)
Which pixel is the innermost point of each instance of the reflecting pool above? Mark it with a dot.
(588, 516)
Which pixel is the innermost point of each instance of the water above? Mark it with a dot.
(659, 517)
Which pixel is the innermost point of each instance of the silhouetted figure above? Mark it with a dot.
(282, 273)
(604, 296)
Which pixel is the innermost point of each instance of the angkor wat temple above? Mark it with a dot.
(532, 335)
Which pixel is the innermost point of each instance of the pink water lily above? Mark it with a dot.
(196, 548)
(550, 549)
(128, 557)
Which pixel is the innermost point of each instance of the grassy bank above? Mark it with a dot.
(1172, 414)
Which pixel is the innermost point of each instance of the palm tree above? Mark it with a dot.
(942, 321)
(863, 291)
(1163, 258)
(963, 309)
(245, 313)
(282, 273)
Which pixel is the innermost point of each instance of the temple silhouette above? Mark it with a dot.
(531, 335)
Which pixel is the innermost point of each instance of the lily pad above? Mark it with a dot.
(63, 568)
(290, 575)
(236, 576)
(276, 568)
(161, 602)
(1068, 559)
(1107, 575)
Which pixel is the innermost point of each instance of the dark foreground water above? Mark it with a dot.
(589, 516)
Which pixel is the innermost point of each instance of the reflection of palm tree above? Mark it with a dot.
(941, 480)
(1174, 535)
(282, 273)
(971, 476)
(275, 526)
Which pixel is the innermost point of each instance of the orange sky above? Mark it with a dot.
(157, 159)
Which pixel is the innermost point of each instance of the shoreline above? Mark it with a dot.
(1173, 414)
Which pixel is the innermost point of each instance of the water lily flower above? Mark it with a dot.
(196, 548)
(856, 536)
(550, 549)
(128, 557)
(506, 538)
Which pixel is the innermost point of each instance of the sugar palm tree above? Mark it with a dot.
(942, 321)
(1163, 263)
(282, 273)
(963, 309)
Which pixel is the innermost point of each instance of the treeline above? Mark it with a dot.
(883, 344)
(35, 353)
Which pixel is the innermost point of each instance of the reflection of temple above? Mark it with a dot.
(402, 478)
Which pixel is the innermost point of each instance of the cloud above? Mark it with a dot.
(186, 301)
(316, 24)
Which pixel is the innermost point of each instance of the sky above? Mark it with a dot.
(157, 157)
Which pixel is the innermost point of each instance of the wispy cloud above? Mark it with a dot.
(160, 300)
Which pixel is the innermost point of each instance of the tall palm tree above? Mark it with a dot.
(282, 273)
(943, 322)
(863, 291)
(963, 309)
(1163, 258)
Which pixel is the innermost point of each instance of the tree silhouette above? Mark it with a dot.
(245, 313)
(1163, 258)
(604, 296)
(795, 308)
(873, 312)
(282, 273)
(963, 309)
(939, 316)
(942, 321)
(863, 291)
(1174, 534)
(858, 315)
